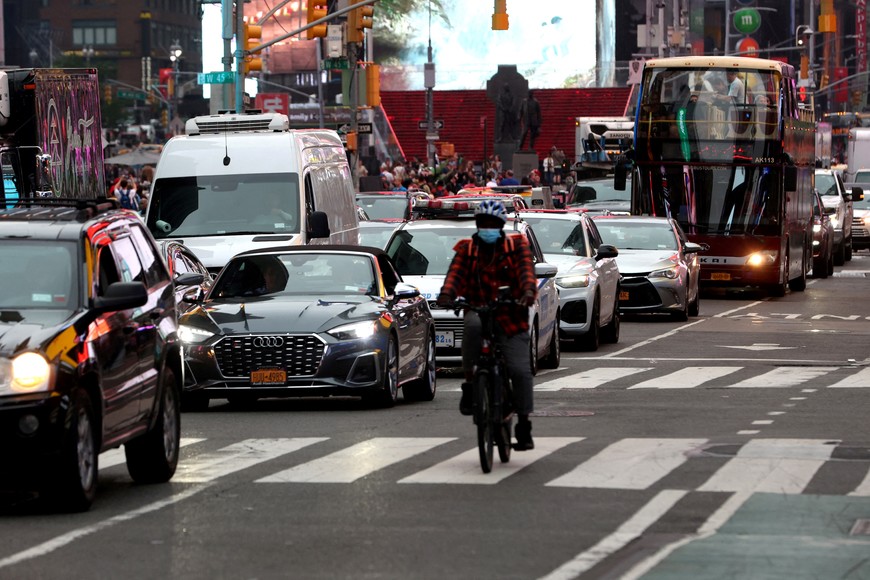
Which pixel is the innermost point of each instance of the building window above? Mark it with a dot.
(94, 32)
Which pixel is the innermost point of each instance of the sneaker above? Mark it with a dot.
(523, 433)
(466, 403)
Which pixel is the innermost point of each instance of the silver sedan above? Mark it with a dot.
(659, 266)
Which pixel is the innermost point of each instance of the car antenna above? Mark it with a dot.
(226, 149)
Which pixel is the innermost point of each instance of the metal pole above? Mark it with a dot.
(227, 60)
(240, 57)
(727, 27)
(320, 111)
(430, 115)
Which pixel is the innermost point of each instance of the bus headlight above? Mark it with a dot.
(762, 258)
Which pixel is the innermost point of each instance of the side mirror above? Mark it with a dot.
(318, 225)
(193, 296)
(857, 193)
(606, 251)
(405, 292)
(693, 248)
(121, 296)
(544, 270)
(790, 176)
(189, 279)
(619, 177)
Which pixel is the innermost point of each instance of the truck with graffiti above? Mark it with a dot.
(50, 134)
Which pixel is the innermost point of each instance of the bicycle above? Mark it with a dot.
(493, 410)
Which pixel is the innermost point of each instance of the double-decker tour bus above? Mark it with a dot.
(722, 145)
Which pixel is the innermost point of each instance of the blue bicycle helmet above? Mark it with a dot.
(491, 207)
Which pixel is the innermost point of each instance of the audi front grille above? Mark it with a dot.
(300, 355)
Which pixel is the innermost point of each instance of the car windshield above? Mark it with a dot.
(598, 192)
(862, 177)
(427, 251)
(826, 184)
(375, 237)
(558, 236)
(296, 274)
(216, 205)
(385, 207)
(38, 275)
(637, 235)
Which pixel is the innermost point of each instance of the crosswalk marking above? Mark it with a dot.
(771, 465)
(238, 456)
(357, 461)
(114, 457)
(630, 464)
(783, 377)
(589, 379)
(858, 380)
(863, 488)
(465, 467)
(687, 378)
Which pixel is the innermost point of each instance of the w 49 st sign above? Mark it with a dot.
(273, 103)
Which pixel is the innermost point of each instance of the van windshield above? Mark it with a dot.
(214, 205)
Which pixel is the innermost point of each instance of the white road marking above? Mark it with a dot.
(861, 379)
(114, 457)
(58, 542)
(749, 432)
(738, 309)
(653, 339)
(783, 377)
(465, 467)
(863, 488)
(629, 531)
(771, 465)
(629, 464)
(707, 529)
(763, 422)
(238, 456)
(776, 413)
(357, 461)
(589, 379)
(686, 378)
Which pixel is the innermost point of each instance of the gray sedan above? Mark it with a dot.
(659, 266)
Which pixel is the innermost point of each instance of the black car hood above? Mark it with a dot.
(22, 330)
(282, 314)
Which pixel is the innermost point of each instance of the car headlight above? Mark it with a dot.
(28, 372)
(817, 228)
(762, 258)
(669, 273)
(573, 281)
(835, 221)
(867, 220)
(192, 334)
(356, 330)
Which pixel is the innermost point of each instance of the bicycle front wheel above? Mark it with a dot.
(484, 419)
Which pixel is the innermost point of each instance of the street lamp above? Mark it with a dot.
(174, 57)
(87, 53)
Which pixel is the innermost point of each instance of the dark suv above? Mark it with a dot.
(88, 352)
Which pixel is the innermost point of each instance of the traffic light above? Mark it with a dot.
(164, 118)
(317, 9)
(107, 94)
(358, 20)
(373, 85)
(251, 34)
(500, 16)
(802, 94)
(350, 143)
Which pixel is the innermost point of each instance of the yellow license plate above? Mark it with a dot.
(623, 295)
(268, 377)
(720, 276)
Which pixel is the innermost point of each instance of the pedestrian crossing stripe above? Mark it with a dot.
(785, 466)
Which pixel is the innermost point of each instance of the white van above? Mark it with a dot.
(238, 182)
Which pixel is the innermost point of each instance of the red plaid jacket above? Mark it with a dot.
(478, 270)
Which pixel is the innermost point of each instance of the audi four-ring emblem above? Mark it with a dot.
(268, 341)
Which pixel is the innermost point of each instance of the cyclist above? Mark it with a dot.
(491, 259)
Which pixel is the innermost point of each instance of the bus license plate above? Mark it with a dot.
(262, 377)
(720, 276)
(444, 338)
(623, 295)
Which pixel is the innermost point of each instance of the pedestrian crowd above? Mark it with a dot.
(130, 188)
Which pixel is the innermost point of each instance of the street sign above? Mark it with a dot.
(432, 137)
(747, 20)
(222, 77)
(340, 63)
(132, 95)
(436, 124)
(364, 128)
(343, 129)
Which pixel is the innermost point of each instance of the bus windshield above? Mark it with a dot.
(736, 200)
(709, 115)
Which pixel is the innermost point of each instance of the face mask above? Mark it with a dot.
(488, 235)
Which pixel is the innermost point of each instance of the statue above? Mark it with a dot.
(506, 116)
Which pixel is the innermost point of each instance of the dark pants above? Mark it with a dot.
(516, 353)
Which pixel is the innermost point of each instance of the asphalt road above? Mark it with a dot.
(733, 445)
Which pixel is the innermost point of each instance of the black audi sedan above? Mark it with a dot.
(309, 321)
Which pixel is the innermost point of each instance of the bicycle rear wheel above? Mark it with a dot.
(483, 418)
